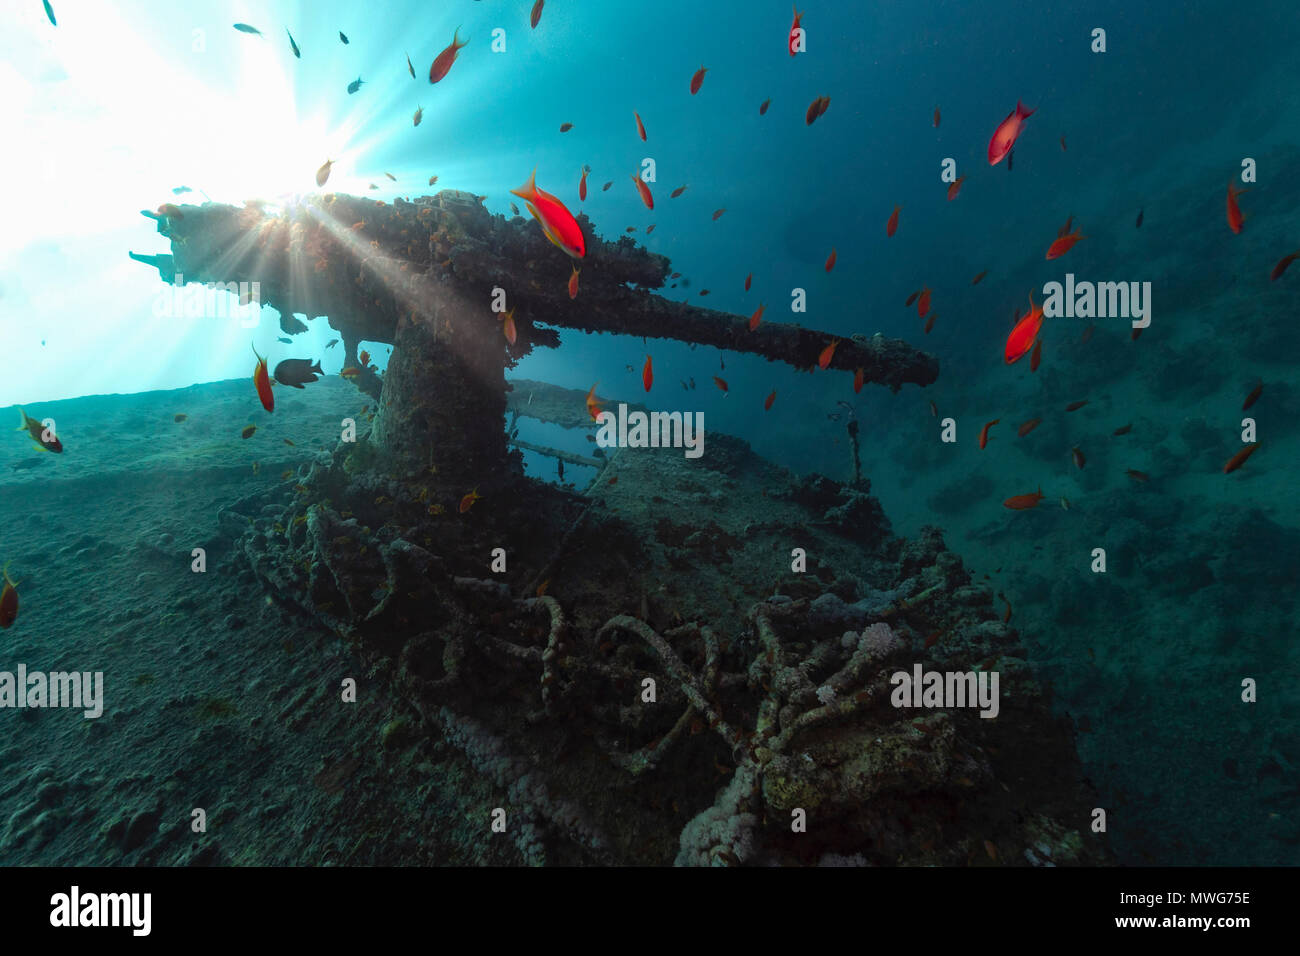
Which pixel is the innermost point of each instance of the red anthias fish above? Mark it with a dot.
(1235, 218)
(793, 41)
(262, 380)
(556, 221)
(442, 64)
(1022, 337)
(1004, 137)
(1064, 244)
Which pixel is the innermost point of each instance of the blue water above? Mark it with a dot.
(107, 113)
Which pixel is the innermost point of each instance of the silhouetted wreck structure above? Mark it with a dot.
(642, 672)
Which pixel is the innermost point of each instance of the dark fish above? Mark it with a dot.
(343, 36)
(605, 187)
(243, 28)
(1079, 460)
(284, 340)
(294, 46)
(180, 417)
(1123, 429)
(1140, 214)
(331, 343)
(296, 372)
(1253, 396)
(409, 66)
(27, 464)
(181, 189)
(355, 85)
(49, 12)
(1075, 406)
(514, 209)
(692, 384)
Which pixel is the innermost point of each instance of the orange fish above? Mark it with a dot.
(1235, 218)
(1028, 426)
(1023, 502)
(955, 188)
(573, 283)
(8, 599)
(717, 214)
(640, 127)
(556, 221)
(815, 109)
(824, 359)
(892, 226)
(1087, 334)
(1239, 459)
(644, 190)
(1282, 264)
(767, 405)
(365, 359)
(984, 432)
(536, 16)
(923, 303)
(350, 372)
(1062, 144)
(830, 260)
(1022, 337)
(647, 374)
(749, 279)
(697, 80)
(1004, 137)
(756, 318)
(792, 41)
(762, 107)
(1063, 245)
(1079, 460)
(1037, 356)
(442, 64)
(929, 323)
(1075, 406)
(593, 408)
(1253, 396)
(582, 185)
(859, 379)
(508, 328)
(262, 381)
(721, 383)
(468, 501)
(936, 117)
